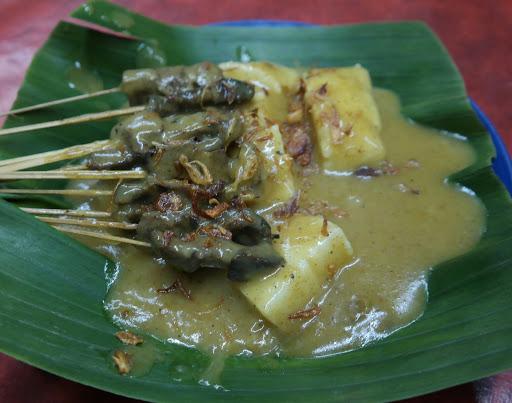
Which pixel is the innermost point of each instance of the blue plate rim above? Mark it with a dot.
(501, 164)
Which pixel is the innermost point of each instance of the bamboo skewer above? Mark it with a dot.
(33, 160)
(88, 222)
(88, 117)
(64, 192)
(62, 212)
(60, 101)
(100, 235)
(65, 174)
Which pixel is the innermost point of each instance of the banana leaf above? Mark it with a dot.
(52, 287)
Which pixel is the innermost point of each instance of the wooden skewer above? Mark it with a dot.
(63, 212)
(88, 222)
(65, 192)
(88, 117)
(100, 235)
(60, 101)
(65, 174)
(33, 160)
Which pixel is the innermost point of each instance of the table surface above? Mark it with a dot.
(476, 33)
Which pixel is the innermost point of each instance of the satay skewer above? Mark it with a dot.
(63, 192)
(34, 160)
(65, 174)
(69, 212)
(100, 235)
(88, 117)
(197, 85)
(88, 222)
(60, 101)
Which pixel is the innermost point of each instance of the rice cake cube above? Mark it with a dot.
(345, 117)
(311, 249)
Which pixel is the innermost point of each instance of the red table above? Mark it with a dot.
(476, 33)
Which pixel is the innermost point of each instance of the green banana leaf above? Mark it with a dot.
(52, 287)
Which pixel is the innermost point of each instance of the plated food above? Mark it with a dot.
(302, 212)
(324, 218)
(273, 210)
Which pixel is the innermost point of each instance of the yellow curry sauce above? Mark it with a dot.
(399, 225)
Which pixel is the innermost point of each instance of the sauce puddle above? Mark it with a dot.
(399, 225)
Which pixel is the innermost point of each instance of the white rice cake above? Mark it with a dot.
(345, 118)
(312, 249)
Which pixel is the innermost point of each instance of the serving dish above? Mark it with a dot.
(430, 354)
